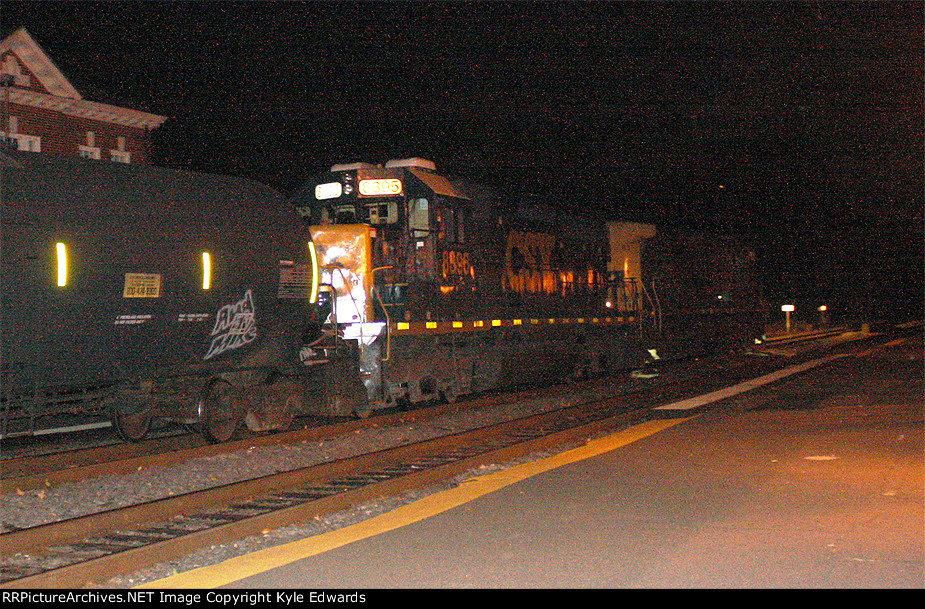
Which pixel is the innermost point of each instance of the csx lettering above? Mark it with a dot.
(529, 263)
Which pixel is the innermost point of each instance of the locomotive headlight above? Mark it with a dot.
(330, 190)
(206, 270)
(61, 250)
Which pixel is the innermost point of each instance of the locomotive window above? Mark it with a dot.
(449, 224)
(419, 217)
(460, 225)
(443, 218)
(382, 213)
(345, 214)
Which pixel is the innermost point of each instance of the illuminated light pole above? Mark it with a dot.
(787, 309)
(823, 318)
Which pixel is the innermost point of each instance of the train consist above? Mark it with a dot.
(133, 293)
(436, 291)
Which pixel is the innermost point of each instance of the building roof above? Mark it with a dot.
(37, 82)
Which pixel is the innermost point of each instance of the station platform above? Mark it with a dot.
(814, 480)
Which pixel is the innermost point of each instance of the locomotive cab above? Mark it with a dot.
(390, 242)
(416, 223)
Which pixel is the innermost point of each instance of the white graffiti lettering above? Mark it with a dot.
(235, 326)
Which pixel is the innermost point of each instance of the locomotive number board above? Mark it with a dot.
(381, 187)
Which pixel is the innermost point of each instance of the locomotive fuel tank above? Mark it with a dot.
(145, 292)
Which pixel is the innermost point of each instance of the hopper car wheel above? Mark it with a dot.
(293, 403)
(219, 411)
(131, 426)
(448, 394)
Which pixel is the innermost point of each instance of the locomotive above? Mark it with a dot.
(133, 292)
(432, 288)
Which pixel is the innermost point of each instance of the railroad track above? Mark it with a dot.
(44, 470)
(27, 472)
(95, 548)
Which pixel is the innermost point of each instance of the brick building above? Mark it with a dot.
(40, 111)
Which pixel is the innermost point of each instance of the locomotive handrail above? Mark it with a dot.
(385, 311)
(332, 315)
(656, 305)
(343, 277)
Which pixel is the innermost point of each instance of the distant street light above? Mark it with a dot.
(787, 309)
(823, 318)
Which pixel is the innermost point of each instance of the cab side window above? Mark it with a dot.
(449, 224)
(419, 217)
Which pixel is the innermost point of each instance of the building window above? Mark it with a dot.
(120, 156)
(89, 152)
(27, 143)
(30, 143)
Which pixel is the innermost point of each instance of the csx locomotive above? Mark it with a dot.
(135, 293)
(440, 292)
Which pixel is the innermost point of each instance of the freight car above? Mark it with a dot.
(436, 290)
(134, 292)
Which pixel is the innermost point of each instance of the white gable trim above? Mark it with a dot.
(87, 109)
(41, 66)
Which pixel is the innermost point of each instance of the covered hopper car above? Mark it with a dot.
(133, 292)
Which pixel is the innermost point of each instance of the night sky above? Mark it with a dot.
(784, 123)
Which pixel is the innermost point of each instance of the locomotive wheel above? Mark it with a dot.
(131, 426)
(219, 416)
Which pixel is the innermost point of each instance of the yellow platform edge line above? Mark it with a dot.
(237, 568)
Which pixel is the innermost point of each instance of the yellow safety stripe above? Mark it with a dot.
(476, 325)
